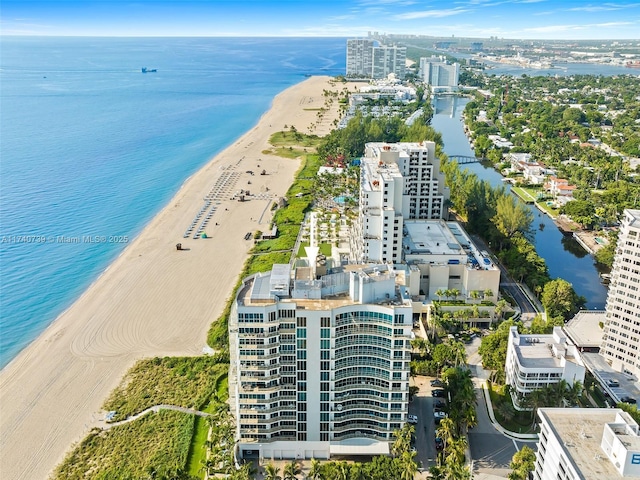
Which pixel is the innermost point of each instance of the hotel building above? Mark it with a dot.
(537, 361)
(439, 74)
(621, 340)
(319, 364)
(587, 443)
(398, 182)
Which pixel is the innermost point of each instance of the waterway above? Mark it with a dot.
(565, 258)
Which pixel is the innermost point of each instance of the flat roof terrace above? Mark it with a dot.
(535, 351)
(580, 431)
(430, 237)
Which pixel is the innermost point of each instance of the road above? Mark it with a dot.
(508, 284)
(491, 451)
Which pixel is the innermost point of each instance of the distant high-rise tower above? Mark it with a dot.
(621, 341)
(439, 74)
(359, 57)
(367, 59)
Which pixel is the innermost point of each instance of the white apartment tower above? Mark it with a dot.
(368, 59)
(398, 182)
(359, 57)
(389, 59)
(319, 365)
(621, 340)
(439, 74)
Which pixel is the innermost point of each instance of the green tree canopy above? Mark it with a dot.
(560, 299)
(512, 216)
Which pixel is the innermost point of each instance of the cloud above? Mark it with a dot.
(572, 27)
(432, 13)
(605, 7)
(400, 3)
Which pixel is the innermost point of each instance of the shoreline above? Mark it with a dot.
(151, 300)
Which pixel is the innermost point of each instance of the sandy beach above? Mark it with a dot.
(152, 300)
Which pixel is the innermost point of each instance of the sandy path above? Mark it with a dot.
(153, 300)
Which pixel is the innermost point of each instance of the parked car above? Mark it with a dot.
(439, 443)
(439, 404)
(438, 409)
(629, 400)
(436, 383)
(413, 419)
(438, 393)
(613, 383)
(439, 415)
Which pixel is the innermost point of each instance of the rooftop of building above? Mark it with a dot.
(584, 328)
(627, 386)
(580, 430)
(437, 237)
(634, 216)
(300, 286)
(542, 351)
(431, 237)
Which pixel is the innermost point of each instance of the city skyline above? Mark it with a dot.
(515, 19)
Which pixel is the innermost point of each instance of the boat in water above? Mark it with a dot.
(149, 70)
(635, 64)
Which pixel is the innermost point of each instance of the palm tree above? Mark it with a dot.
(474, 294)
(535, 400)
(441, 293)
(409, 465)
(501, 306)
(271, 472)
(343, 471)
(557, 392)
(574, 393)
(456, 450)
(315, 472)
(403, 439)
(506, 410)
(291, 470)
(446, 430)
(455, 293)
(488, 293)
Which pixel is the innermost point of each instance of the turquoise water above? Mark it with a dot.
(91, 148)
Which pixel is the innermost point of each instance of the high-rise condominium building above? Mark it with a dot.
(360, 57)
(621, 340)
(439, 74)
(398, 182)
(319, 365)
(368, 59)
(587, 443)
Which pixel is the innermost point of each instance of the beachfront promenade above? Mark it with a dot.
(153, 300)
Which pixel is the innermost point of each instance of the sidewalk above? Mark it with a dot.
(522, 437)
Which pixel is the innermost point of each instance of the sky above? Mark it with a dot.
(516, 19)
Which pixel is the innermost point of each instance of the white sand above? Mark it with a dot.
(152, 301)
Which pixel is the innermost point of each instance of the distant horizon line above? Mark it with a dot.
(492, 37)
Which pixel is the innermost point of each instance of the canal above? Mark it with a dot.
(565, 258)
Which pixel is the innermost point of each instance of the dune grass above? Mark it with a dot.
(153, 446)
(183, 381)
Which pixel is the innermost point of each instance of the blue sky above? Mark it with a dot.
(526, 19)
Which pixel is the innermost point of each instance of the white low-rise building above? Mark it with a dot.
(587, 443)
(445, 258)
(537, 361)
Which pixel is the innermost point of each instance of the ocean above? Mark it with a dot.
(92, 148)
